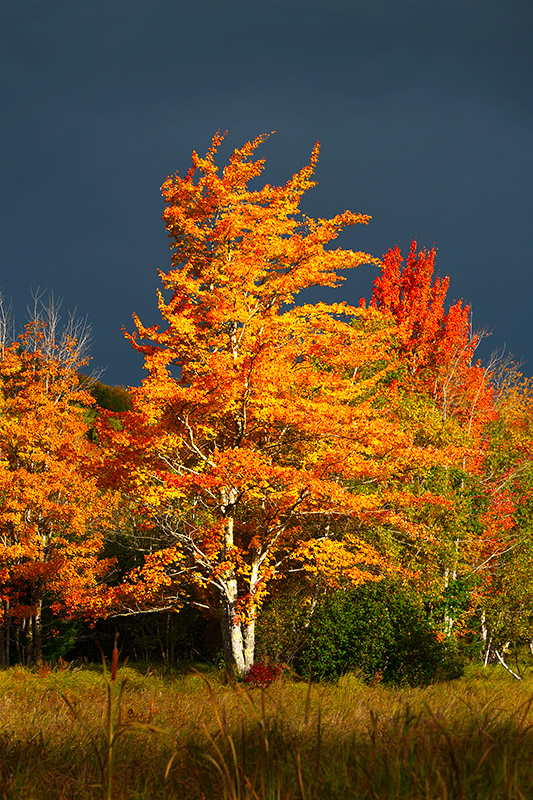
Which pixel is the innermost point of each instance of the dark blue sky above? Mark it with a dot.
(423, 109)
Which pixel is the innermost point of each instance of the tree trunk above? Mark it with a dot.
(5, 632)
(449, 575)
(37, 638)
(238, 636)
(232, 639)
(7, 628)
(249, 643)
(3, 660)
(238, 639)
(34, 638)
(486, 639)
(20, 654)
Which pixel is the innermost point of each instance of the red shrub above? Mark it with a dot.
(262, 675)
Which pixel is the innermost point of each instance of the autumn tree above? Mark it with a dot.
(263, 441)
(504, 596)
(52, 513)
(436, 345)
(446, 397)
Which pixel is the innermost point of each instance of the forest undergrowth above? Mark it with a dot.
(85, 735)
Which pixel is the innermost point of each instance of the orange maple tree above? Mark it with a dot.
(263, 440)
(436, 346)
(52, 514)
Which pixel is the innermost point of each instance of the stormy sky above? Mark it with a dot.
(423, 109)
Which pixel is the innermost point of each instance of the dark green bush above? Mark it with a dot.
(378, 630)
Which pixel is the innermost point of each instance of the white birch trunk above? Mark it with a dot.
(238, 636)
(239, 640)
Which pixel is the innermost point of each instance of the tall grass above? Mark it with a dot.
(293, 741)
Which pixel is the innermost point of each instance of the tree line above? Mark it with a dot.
(283, 464)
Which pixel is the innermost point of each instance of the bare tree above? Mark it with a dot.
(69, 341)
(7, 325)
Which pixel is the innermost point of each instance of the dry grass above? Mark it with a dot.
(464, 739)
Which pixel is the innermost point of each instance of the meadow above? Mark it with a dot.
(76, 734)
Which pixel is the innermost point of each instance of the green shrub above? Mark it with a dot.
(380, 631)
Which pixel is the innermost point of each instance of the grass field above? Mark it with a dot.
(75, 734)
